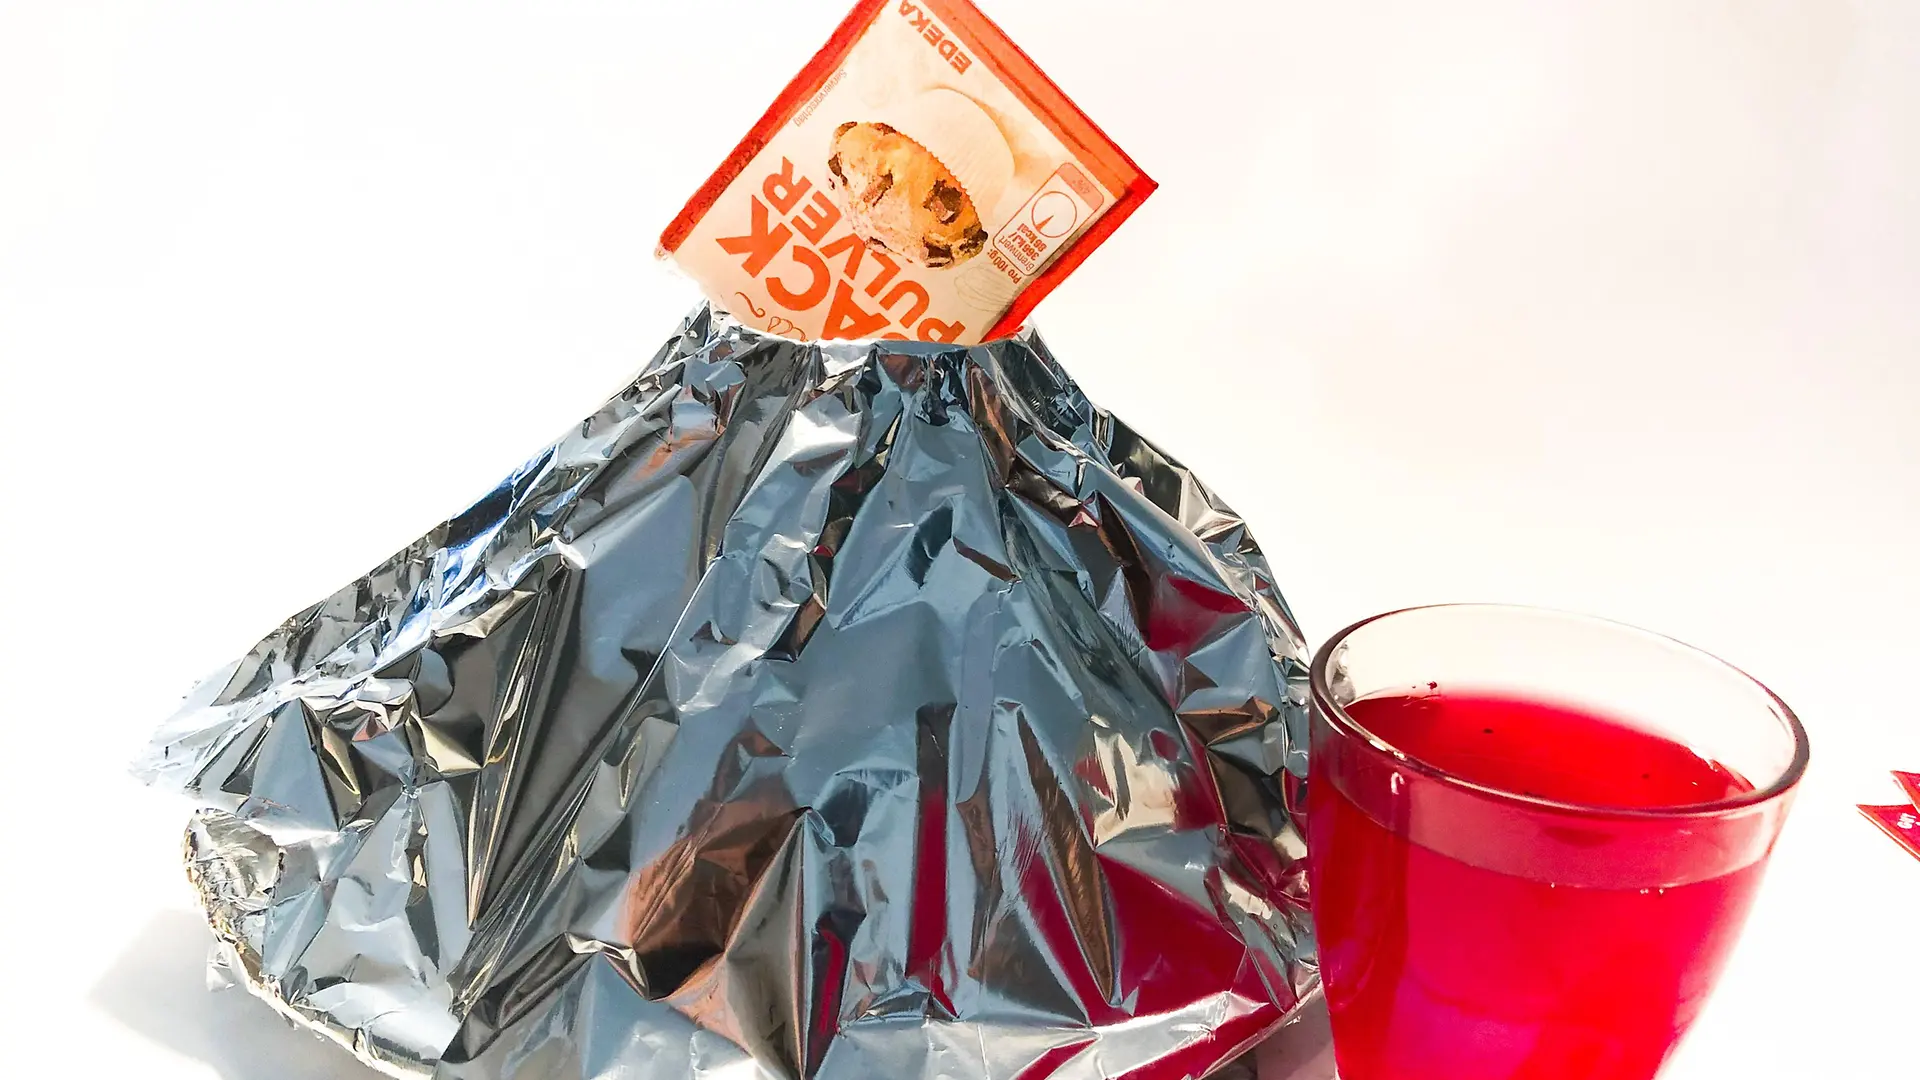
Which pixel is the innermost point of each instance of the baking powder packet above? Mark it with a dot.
(919, 179)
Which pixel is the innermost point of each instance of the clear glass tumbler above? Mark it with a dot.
(1533, 838)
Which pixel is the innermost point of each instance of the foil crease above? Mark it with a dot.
(830, 710)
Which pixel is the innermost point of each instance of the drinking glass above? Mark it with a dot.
(1533, 838)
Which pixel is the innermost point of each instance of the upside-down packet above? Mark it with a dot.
(919, 179)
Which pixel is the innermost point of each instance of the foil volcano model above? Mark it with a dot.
(837, 710)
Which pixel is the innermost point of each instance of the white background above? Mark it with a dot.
(1612, 306)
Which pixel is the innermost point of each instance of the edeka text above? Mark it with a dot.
(942, 42)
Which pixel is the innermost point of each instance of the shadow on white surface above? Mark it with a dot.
(1303, 1050)
(159, 990)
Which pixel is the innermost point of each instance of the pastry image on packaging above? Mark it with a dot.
(922, 204)
(919, 179)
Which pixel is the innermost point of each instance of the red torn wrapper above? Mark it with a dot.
(1900, 822)
(1910, 783)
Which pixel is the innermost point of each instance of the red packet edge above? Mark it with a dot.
(1909, 783)
(1887, 820)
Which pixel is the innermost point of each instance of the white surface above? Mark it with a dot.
(1609, 306)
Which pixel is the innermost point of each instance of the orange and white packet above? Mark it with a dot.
(920, 179)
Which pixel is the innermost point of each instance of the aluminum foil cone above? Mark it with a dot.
(836, 710)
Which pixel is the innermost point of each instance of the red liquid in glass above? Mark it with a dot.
(1438, 968)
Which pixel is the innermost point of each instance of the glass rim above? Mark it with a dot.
(1336, 715)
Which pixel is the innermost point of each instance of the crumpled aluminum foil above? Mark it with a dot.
(837, 710)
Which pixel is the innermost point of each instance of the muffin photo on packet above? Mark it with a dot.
(920, 179)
